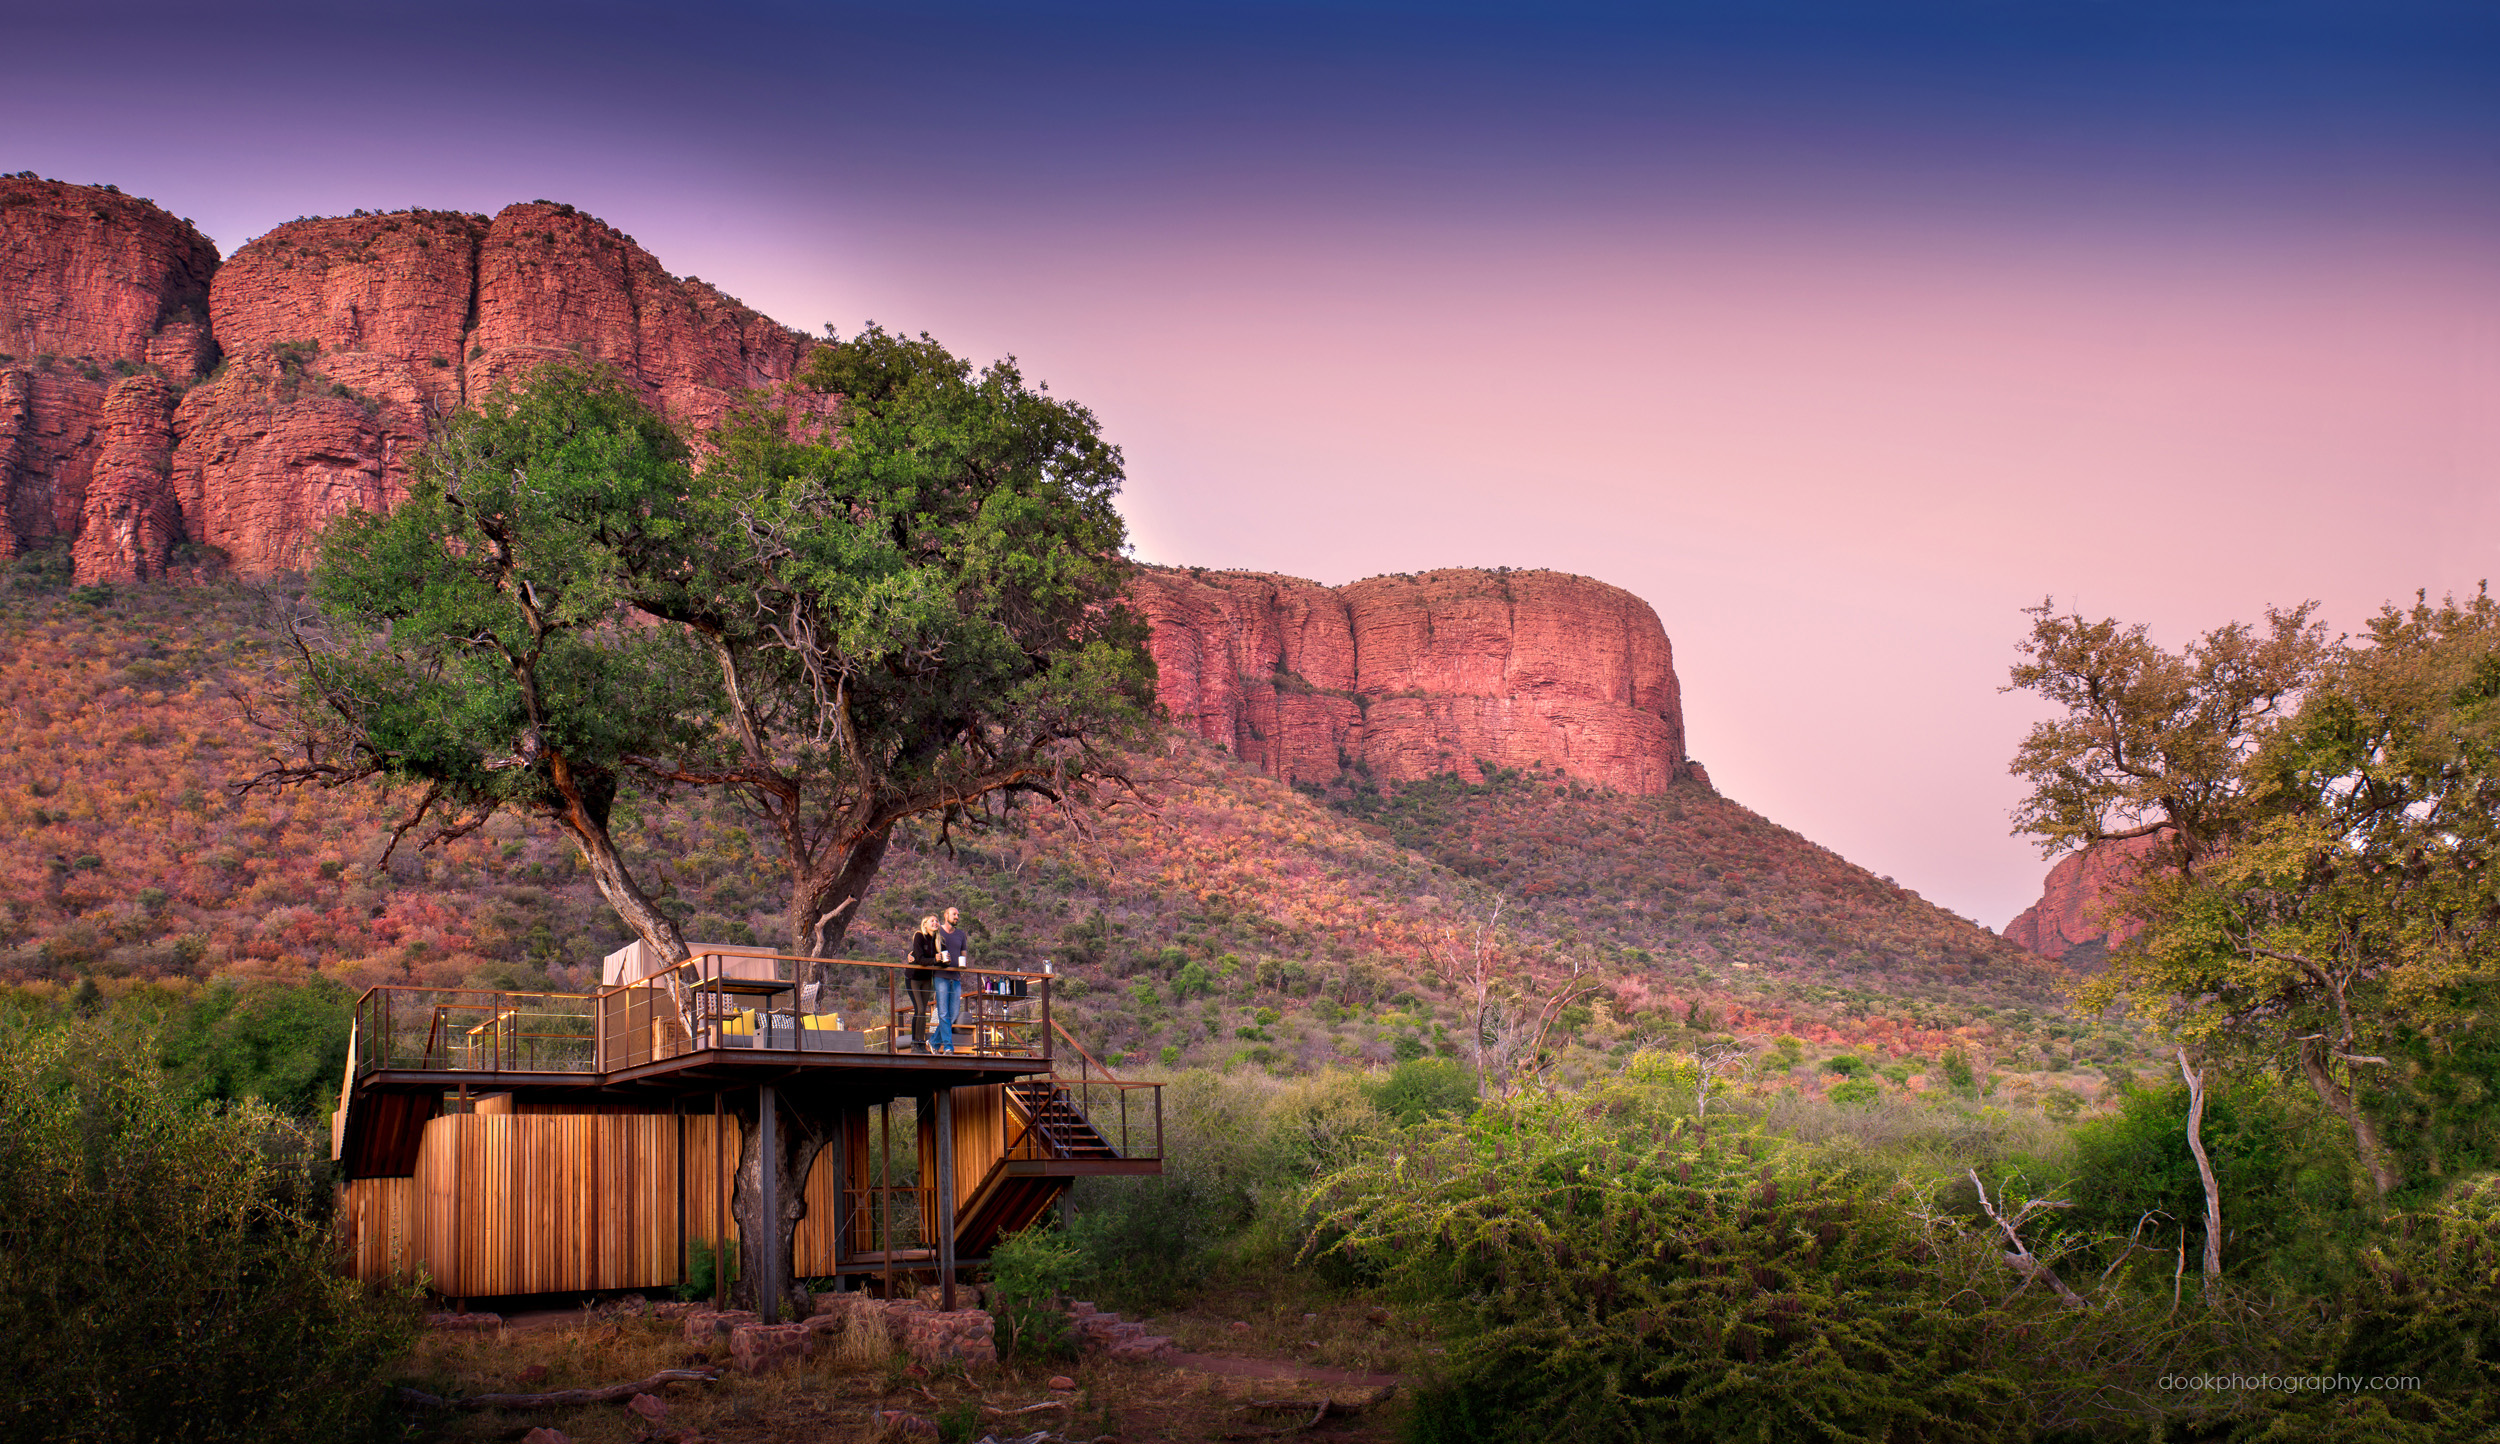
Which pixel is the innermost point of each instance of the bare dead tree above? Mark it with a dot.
(2030, 1265)
(2204, 1170)
(1470, 965)
(1712, 1061)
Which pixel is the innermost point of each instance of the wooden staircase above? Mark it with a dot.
(1055, 1122)
(1052, 1143)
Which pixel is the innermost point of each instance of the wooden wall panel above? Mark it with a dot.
(812, 1243)
(535, 1203)
(562, 1200)
(980, 1138)
(380, 1219)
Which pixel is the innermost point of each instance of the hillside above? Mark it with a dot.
(1214, 913)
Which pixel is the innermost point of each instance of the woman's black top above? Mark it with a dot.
(924, 951)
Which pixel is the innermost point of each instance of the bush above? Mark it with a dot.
(1604, 1273)
(702, 1256)
(284, 1044)
(1029, 1272)
(1847, 1065)
(169, 1269)
(1424, 1088)
(1856, 1091)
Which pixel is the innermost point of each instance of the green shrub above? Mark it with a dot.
(170, 1270)
(282, 1043)
(1424, 1088)
(1856, 1090)
(1847, 1065)
(701, 1258)
(1604, 1273)
(1029, 1272)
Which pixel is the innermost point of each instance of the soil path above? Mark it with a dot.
(1235, 1366)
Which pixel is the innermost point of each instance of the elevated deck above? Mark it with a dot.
(840, 1032)
(530, 1142)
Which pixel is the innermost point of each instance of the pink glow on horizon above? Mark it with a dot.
(1838, 467)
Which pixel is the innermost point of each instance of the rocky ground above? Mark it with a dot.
(1243, 1362)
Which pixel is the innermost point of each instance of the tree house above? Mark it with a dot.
(510, 1143)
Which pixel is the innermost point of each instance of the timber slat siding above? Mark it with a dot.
(536, 1201)
(539, 1203)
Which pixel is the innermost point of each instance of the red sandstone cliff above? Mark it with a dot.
(1406, 677)
(94, 286)
(343, 338)
(2069, 914)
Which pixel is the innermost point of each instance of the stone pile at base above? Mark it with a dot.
(1095, 1329)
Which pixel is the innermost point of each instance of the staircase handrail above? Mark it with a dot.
(1070, 1039)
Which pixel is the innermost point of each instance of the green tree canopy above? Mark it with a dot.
(893, 590)
(2336, 807)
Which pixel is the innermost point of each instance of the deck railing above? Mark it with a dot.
(1125, 1113)
(711, 1001)
(474, 1030)
(810, 1005)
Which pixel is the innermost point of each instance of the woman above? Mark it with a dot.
(920, 981)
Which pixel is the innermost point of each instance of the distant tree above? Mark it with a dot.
(2335, 811)
(2153, 742)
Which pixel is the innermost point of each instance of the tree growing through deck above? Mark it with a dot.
(893, 591)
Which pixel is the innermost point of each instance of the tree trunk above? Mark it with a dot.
(841, 895)
(579, 805)
(2205, 1171)
(798, 1137)
(2335, 1096)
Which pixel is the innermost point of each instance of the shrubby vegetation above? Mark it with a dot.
(1603, 1266)
(168, 1268)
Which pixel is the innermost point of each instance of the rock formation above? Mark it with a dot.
(94, 286)
(2067, 923)
(343, 339)
(1406, 677)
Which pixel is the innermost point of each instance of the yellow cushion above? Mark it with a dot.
(822, 1022)
(742, 1025)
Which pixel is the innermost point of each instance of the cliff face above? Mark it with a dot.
(94, 286)
(343, 338)
(1407, 677)
(2067, 918)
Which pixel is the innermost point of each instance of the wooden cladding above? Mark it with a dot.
(537, 1203)
(542, 1203)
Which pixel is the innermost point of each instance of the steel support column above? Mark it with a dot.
(946, 1198)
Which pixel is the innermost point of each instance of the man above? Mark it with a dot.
(954, 953)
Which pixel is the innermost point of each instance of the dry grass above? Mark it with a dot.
(837, 1395)
(1293, 1318)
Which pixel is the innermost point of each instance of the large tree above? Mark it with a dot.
(2330, 813)
(916, 609)
(474, 646)
(894, 590)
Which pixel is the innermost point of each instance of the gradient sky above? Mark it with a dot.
(1840, 332)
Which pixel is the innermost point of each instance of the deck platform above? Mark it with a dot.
(520, 1142)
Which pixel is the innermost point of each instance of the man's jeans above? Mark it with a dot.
(950, 998)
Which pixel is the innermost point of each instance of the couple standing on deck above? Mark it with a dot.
(938, 953)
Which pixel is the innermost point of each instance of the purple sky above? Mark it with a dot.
(1838, 332)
